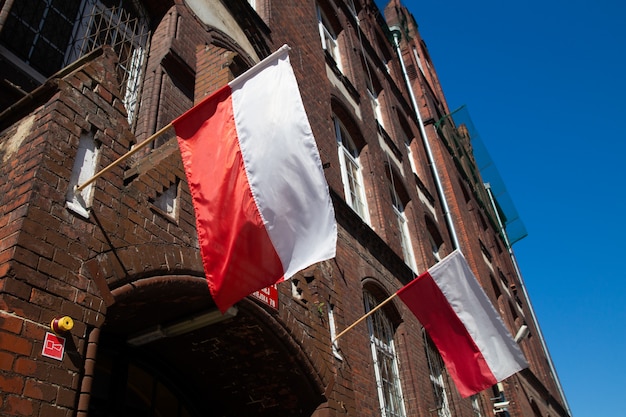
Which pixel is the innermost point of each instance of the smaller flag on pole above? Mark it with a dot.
(473, 341)
(263, 210)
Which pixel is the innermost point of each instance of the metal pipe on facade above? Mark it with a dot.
(396, 32)
(84, 396)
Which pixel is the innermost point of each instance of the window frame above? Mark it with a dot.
(403, 228)
(434, 238)
(86, 162)
(329, 38)
(91, 25)
(353, 183)
(390, 397)
(436, 371)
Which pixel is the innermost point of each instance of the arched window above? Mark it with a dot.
(351, 171)
(437, 371)
(381, 331)
(41, 37)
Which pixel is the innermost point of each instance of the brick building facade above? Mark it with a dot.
(84, 81)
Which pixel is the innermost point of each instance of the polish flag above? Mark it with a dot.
(263, 210)
(473, 341)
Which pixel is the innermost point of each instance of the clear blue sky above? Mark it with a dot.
(544, 82)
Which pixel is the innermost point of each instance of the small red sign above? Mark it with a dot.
(53, 346)
(268, 295)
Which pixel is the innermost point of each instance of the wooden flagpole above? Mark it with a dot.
(369, 313)
(248, 74)
(122, 158)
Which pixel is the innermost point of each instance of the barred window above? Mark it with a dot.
(437, 371)
(42, 36)
(381, 332)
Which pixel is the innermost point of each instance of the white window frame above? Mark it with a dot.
(419, 60)
(85, 163)
(434, 247)
(385, 361)
(328, 37)
(476, 405)
(351, 171)
(403, 227)
(352, 8)
(333, 332)
(410, 156)
(436, 370)
(378, 115)
(167, 201)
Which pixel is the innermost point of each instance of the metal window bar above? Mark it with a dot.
(437, 369)
(38, 32)
(126, 31)
(385, 363)
(47, 35)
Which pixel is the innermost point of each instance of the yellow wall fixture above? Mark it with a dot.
(62, 325)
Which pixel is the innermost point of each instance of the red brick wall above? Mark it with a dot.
(55, 263)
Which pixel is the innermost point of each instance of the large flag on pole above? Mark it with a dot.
(473, 341)
(263, 210)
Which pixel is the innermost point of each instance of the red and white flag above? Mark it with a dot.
(473, 341)
(263, 210)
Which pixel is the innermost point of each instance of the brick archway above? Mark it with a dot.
(245, 365)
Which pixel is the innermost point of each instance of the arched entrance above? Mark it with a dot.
(162, 352)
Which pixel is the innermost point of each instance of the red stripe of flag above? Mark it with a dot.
(473, 341)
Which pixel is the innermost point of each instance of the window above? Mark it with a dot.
(167, 202)
(373, 90)
(333, 331)
(352, 8)
(351, 171)
(437, 370)
(476, 406)
(375, 106)
(84, 168)
(329, 38)
(409, 154)
(418, 59)
(381, 332)
(403, 227)
(406, 137)
(43, 36)
(434, 238)
(434, 246)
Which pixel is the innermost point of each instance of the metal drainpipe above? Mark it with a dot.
(395, 30)
(533, 317)
(82, 408)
